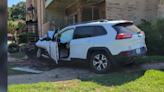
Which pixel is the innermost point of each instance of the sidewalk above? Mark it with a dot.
(58, 74)
(63, 73)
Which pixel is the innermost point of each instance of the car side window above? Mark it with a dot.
(83, 32)
(99, 31)
(66, 36)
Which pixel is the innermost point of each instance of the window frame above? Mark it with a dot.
(102, 28)
(83, 37)
(59, 35)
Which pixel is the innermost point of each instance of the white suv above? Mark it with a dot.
(101, 43)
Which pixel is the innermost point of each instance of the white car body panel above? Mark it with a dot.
(51, 47)
(43, 44)
(54, 51)
(117, 46)
(126, 45)
(79, 47)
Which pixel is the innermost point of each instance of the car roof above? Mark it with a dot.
(96, 23)
(99, 23)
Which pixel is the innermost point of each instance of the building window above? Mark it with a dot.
(72, 20)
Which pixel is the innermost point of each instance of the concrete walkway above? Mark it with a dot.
(64, 73)
(58, 74)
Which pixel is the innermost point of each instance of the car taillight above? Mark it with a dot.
(127, 53)
(142, 32)
(127, 22)
(124, 36)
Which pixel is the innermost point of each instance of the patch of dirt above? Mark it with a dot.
(33, 64)
(74, 70)
(18, 61)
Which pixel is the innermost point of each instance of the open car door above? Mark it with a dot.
(54, 52)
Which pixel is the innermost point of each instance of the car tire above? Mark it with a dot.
(13, 48)
(31, 53)
(98, 65)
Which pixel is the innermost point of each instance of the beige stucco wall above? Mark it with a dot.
(56, 15)
(34, 3)
(161, 8)
(46, 28)
(40, 16)
(134, 10)
(28, 2)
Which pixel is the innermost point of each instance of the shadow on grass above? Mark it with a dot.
(109, 79)
(116, 79)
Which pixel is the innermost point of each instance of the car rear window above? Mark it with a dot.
(126, 28)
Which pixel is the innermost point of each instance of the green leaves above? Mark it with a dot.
(21, 24)
(154, 36)
(18, 11)
(11, 25)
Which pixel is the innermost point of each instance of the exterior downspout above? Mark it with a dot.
(92, 13)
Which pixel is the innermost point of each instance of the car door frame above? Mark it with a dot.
(84, 56)
(56, 38)
(56, 51)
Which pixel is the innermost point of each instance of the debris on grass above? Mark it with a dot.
(27, 70)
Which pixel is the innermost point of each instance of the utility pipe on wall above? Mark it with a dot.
(92, 13)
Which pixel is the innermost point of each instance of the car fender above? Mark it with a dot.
(105, 49)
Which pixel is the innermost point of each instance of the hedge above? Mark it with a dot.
(154, 36)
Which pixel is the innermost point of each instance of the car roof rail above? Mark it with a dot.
(99, 20)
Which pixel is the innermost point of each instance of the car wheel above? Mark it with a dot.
(100, 62)
(31, 53)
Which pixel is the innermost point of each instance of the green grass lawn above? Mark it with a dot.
(148, 81)
(17, 55)
(151, 59)
(13, 72)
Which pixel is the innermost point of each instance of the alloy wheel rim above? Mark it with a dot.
(100, 62)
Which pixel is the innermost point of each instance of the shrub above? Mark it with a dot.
(21, 24)
(154, 36)
(11, 25)
(31, 37)
(22, 38)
